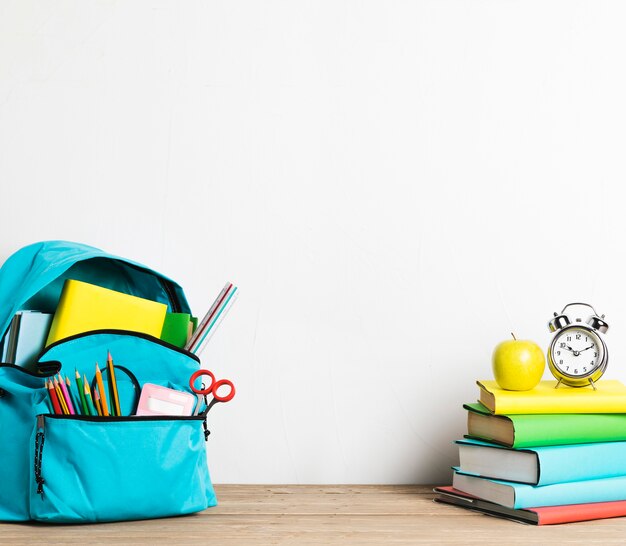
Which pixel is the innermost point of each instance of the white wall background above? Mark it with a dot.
(394, 186)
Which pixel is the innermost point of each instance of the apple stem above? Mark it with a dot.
(513, 336)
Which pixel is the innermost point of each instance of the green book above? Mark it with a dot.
(176, 328)
(544, 429)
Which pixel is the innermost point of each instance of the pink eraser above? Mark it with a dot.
(157, 400)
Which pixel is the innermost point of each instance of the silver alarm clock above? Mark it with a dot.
(578, 355)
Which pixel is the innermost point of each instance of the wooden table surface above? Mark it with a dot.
(326, 515)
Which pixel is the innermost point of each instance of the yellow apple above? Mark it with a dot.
(518, 365)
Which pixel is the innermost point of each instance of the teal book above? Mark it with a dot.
(521, 495)
(543, 465)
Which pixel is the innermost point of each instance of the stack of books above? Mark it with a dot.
(543, 456)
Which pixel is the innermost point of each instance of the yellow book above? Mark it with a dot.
(84, 307)
(610, 397)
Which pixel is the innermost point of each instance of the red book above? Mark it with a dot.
(544, 515)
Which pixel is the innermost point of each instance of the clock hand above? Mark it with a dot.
(590, 347)
(575, 353)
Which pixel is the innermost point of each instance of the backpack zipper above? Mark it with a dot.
(39, 439)
(174, 303)
(113, 331)
(120, 418)
(112, 419)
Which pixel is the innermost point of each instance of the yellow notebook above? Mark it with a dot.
(610, 397)
(84, 307)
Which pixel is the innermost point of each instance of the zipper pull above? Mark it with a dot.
(39, 439)
(206, 430)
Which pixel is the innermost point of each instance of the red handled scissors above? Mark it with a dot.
(213, 387)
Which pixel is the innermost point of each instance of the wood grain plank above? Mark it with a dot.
(321, 515)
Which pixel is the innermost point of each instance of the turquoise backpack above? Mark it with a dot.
(75, 468)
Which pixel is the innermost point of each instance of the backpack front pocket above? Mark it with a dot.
(88, 469)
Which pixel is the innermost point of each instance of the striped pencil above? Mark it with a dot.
(113, 395)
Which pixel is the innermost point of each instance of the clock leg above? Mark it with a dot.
(557, 384)
(592, 384)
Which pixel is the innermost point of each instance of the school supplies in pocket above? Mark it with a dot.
(157, 400)
(210, 389)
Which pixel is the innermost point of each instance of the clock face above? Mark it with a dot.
(577, 352)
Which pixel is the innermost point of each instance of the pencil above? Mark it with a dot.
(103, 397)
(113, 396)
(61, 397)
(81, 393)
(75, 402)
(53, 398)
(92, 409)
(66, 395)
(96, 401)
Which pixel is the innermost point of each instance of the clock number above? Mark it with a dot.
(578, 336)
(595, 355)
(569, 338)
(558, 352)
(562, 345)
(566, 367)
(584, 369)
(561, 361)
(591, 363)
(576, 371)
(586, 338)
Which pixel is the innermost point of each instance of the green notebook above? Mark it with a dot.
(544, 429)
(176, 328)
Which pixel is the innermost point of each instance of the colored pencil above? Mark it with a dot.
(96, 402)
(53, 398)
(66, 395)
(92, 408)
(61, 397)
(81, 393)
(75, 401)
(113, 395)
(103, 397)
